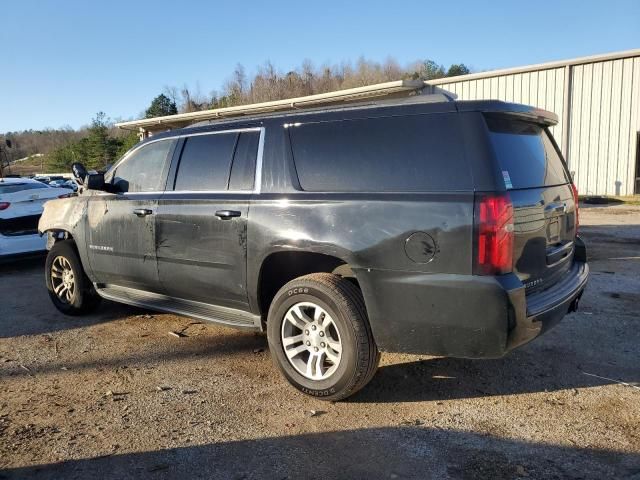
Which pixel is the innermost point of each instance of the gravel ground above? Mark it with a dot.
(115, 395)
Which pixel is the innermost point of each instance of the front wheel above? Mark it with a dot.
(320, 338)
(69, 287)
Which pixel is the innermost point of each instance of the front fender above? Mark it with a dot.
(67, 215)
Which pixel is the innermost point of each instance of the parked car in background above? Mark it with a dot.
(65, 183)
(57, 183)
(71, 185)
(49, 178)
(21, 204)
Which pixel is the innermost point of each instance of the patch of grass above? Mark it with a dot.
(26, 167)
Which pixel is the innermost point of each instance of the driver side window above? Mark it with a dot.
(144, 170)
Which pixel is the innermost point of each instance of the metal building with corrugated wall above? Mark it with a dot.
(597, 100)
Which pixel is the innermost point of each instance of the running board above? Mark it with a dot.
(188, 308)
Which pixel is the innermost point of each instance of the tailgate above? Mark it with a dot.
(540, 189)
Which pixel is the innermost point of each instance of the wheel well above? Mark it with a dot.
(59, 235)
(282, 267)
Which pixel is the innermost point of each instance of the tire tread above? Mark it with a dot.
(349, 300)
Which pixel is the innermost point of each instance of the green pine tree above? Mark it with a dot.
(161, 106)
(458, 69)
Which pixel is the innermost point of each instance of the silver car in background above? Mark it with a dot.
(21, 203)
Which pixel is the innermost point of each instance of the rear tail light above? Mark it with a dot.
(494, 234)
(4, 205)
(574, 189)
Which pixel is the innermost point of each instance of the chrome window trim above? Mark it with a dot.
(257, 180)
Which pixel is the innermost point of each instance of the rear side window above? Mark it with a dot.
(18, 187)
(411, 153)
(526, 154)
(205, 162)
(243, 171)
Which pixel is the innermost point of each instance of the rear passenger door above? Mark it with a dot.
(202, 217)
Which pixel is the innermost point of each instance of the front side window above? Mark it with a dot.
(144, 169)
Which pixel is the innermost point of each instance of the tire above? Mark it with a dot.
(77, 296)
(348, 357)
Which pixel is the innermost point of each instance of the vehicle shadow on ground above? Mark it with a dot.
(453, 378)
(55, 321)
(151, 351)
(18, 265)
(23, 295)
(403, 452)
(433, 379)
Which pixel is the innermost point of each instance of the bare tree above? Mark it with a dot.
(268, 83)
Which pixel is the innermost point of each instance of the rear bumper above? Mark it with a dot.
(463, 315)
(20, 244)
(537, 313)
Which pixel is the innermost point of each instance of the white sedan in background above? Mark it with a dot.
(21, 204)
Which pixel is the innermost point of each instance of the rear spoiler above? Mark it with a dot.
(524, 112)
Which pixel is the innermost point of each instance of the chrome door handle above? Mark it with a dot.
(555, 208)
(142, 212)
(224, 214)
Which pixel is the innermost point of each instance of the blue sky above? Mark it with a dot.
(63, 61)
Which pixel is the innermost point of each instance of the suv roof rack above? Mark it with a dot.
(387, 90)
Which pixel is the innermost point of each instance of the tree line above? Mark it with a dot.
(269, 84)
(96, 145)
(100, 144)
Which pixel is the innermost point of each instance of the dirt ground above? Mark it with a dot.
(115, 395)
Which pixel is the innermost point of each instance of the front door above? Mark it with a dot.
(202, 218)
(121, 236)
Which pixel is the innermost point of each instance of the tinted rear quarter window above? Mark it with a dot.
(205, 162)
(526, 153)
(389, 154)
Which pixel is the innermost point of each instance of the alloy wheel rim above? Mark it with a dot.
(311, 341)
(62, 279)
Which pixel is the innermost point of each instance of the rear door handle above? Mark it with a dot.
(224, 214)
(142, 212)
(555, 208)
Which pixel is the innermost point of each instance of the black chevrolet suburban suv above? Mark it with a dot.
(412, 225)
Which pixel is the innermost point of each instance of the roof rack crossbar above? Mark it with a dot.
(399, 87)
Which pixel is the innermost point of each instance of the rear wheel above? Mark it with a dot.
(319, 336)
(69, 288)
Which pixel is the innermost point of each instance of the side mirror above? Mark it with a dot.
(94, 181)
(79, 172)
